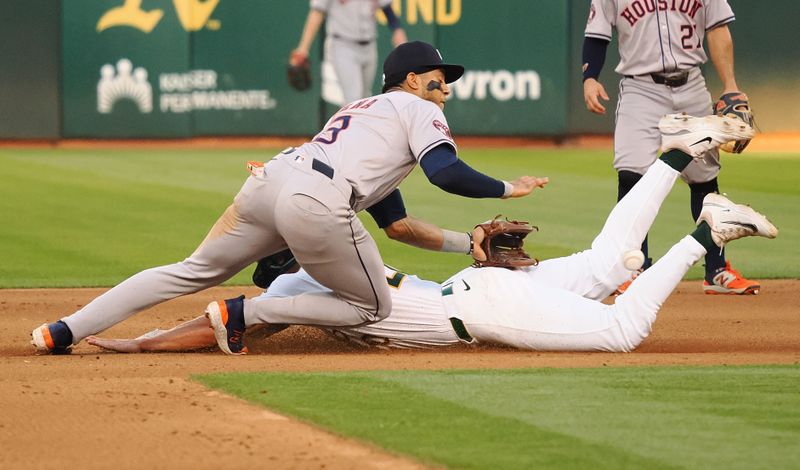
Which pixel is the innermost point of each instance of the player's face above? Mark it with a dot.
(434, 88)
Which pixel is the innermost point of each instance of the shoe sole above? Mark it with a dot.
(764, 228)
(716, 290)
(732, 128)
(214, 315)
(38, 341)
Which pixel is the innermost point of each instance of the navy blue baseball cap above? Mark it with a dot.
(417, 57)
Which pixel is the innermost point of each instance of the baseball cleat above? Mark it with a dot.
(729, 281)
(227, 320)
(730, 221)
(53, 338)
(697, 135)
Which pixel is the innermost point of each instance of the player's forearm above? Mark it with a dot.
(421, 234)
(194, 334)
(720, 48)
(313, 23)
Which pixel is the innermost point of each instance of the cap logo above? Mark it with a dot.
(440, 54)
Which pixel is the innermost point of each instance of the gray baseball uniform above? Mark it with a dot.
(306, 200)
(657, 36)
(350, 43)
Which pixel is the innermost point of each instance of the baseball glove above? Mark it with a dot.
(737, 105)
(503, 242)
(269, 268)
(299, 72)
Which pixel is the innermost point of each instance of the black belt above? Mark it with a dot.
(360, 43)
(321, 167)
(670, 79)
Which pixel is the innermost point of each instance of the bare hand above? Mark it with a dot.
(118, 345)
(399, 37)
(297, 57)
(525, 184)
(477, 238)
(592, 92)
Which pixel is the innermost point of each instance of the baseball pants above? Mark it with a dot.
(291, 205)
(641, 105)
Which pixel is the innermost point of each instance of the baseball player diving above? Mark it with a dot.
(661, 51)
(553, 306)
(306, 200)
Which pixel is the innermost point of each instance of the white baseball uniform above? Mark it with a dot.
(306, 200)
(657, 36)
(350, 43)
(553, 306)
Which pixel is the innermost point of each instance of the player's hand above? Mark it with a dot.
(525, 184)
(297, 57)
(593, 91)
(399, 37)
(477, 240)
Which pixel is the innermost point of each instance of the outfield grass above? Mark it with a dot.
(94, 217)
(666, 417)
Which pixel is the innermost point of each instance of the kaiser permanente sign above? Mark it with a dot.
(171, 68)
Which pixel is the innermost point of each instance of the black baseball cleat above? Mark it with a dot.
(52, 338)
(227, 320)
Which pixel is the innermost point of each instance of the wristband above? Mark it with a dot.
(456, 242)
(509, 190)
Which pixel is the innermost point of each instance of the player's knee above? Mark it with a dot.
(381, 309)
(705, 188)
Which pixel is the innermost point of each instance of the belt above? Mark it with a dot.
(670, 79)
(323, 168)
(360, 43)
(457, 324)
(460, 329)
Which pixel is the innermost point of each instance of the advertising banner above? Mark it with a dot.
(173, 68)
(115, 54)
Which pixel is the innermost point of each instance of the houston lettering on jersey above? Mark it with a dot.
(637, 9)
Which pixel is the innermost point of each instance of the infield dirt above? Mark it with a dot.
(104, 410)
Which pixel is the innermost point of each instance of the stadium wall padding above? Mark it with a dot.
(165, 68)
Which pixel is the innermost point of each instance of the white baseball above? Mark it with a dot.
(633, 259)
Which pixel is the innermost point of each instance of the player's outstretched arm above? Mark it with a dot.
(524, 185)
(190, 335)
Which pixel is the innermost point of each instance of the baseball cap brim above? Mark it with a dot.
(452, 72)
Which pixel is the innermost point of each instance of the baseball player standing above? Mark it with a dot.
(307, 199)
(350, 40)
(661, 50)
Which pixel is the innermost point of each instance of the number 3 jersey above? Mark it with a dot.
(657, 35)
(375, 142)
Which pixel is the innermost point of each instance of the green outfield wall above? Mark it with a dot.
(182, 68)
(29, 76)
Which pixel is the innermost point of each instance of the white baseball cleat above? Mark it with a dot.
(698, 135)
(731, 221)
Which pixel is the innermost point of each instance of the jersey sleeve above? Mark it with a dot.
(718, 13)
(426, 127)
(600, 23)
(321, 5)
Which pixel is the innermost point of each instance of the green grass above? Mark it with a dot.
(665, 417)
(93, 218)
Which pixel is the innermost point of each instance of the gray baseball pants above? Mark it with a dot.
(355, 65)
(641, 105)
(292, 205)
